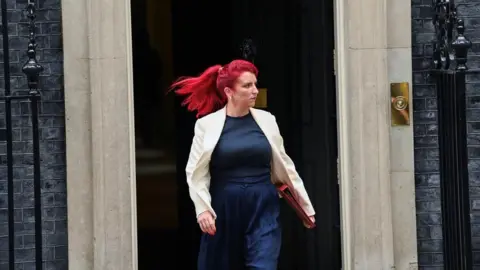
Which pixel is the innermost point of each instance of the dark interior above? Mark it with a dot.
(294, 53)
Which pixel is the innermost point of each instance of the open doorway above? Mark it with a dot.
(294, 42)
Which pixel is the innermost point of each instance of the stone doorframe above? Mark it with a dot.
(373, 48)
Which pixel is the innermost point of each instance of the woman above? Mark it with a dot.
(236, 154)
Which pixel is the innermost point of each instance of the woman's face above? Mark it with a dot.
(244, 92)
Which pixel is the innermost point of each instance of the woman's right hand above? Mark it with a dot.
(207, 222)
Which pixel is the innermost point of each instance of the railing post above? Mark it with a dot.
(454, 183)
(9, 136)
(32, 70)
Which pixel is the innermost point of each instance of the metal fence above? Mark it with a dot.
(449, 71)
(32, 70)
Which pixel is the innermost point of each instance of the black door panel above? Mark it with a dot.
(294, 42)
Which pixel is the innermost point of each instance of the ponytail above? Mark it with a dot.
(202, 93)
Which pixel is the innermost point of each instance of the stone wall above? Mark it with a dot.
(429, 226)
(52, 135)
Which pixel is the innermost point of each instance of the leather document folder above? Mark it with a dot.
(286, 194)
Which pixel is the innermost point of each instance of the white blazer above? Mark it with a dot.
(207, 133)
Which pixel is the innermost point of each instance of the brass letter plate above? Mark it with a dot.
(261, 101)
(400, 104)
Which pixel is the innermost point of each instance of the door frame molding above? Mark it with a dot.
(341, 84)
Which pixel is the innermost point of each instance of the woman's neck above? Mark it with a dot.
(234, 111)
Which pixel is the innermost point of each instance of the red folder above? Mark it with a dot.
(286, 193)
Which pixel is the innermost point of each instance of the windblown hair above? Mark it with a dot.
(205, 93)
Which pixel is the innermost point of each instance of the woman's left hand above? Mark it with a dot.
(312, 218)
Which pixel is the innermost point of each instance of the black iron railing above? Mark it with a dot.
(32, 70)
(449, 71)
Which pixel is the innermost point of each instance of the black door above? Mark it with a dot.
(294, 44)
(199, 41)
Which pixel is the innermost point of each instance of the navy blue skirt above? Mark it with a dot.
(248, 227)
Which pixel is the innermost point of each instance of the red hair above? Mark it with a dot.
(205, 93)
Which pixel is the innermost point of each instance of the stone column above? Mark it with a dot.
(100, 135)
(364, 134)
(113, 153)
(78, 135)
(399, 53)
(376, 160)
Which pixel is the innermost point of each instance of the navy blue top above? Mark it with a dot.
(242, 150)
